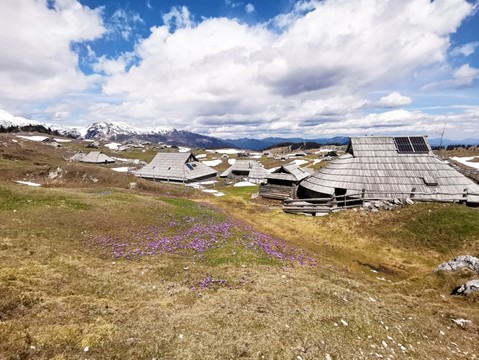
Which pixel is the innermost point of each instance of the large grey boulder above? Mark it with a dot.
(463, 261)
(467, 288)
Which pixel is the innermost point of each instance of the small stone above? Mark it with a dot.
(86, 349)
(130, 341)
(344, 322)
(328, 357)
(181, 336)
(384, 344)
(461, 322)
(409, 201)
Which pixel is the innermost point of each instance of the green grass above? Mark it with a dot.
(59, 294)
(441, 227)
(16, 200)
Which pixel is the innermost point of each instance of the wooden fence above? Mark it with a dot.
(336, 202)
(276, 192)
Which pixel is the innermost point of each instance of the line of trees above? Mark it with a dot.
(306, 145)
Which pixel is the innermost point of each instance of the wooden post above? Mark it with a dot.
(413, 192)
(294, 190)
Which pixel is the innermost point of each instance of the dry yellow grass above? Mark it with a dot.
(63, 297)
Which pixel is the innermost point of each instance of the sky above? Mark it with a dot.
(254, 68)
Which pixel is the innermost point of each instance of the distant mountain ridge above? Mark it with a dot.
(260, 144)
(123, 132)
(112, 131)
(119, 131)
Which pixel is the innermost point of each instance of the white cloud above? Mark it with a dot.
(200, 76)
(304, 73)
(177, 18)
(465, 49)
(36, 61)
(463, 76)
(394, 99)
(249, 8)
(123, 23)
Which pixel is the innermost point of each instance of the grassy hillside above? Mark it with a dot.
(95, 270)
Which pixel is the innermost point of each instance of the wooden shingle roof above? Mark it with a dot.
(377, 165)
(96, 157)
(176, 167)
(291, 172)
(253, 168)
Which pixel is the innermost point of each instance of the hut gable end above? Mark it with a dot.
(183, 167)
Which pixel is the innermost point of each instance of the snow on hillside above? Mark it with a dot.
(467, 161)
(7, 120)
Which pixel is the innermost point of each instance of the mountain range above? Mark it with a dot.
(118, 131)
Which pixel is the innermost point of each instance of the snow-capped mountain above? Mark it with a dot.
(8, 120)
(118, 131)
(111, 131)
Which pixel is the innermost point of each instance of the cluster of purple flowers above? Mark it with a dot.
(190, 237)
(210, 282)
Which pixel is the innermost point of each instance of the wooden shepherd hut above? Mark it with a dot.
(95, 157)
(178, 167)
(386, 167)
(281, 182)
(249, 170)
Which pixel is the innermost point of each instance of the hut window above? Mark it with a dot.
(430, 181)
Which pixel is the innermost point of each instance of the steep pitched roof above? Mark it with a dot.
(97, 157)
(389, 167)
(176, 167)
(291, 172)
(254, 169)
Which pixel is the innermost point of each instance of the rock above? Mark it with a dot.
(467, 288)
(374, 210)
(463, 261)
(368, 205)
(461, 322)
(409, 201)
(133, 185)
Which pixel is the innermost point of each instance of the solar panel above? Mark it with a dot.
(411, 145)
(403, 145)
(419, 144)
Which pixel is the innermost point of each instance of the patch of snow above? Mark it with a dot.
(255, 157)
(212, 162)
(323, 151)
(120, 159)
(225, 151)
(62, 140)
(317, 161)
(113, 146)
(231, 161)
(211, 191)
(184, 149)
(33, 138)
(219, 193)
(29, 183)
(467, 161)
(122, 169)
(299, 162)
(209, 182)
(243, 184)
(200, 156)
